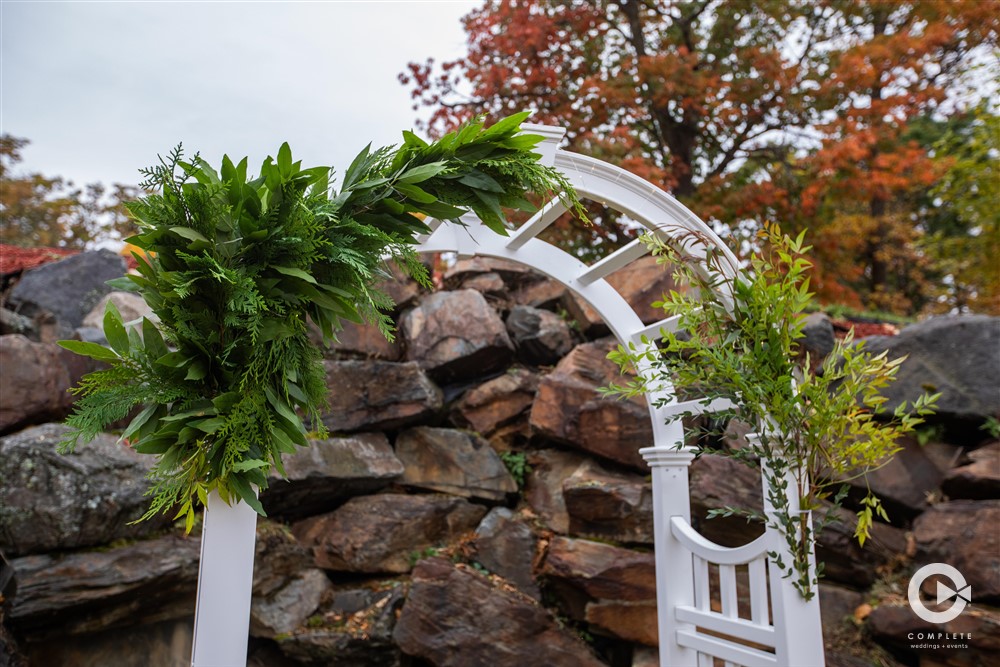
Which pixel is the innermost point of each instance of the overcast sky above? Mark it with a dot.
(99, 88)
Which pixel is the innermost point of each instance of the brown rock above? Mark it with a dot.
(980, 479)
(719, 481)
(541, 293)
(893, 622)
(377, 395)
(35, 386)
(506, 545)
(486, 283)
(327, 472)
(455, 462)
(381, 533)
(904, 483)
(849, 563)
(584, 317)
(512, 273)
(541, 338)
(632, 621)
(85, 592)
(641, 283)
(615, 506)
(496, 402)
(838, 605)
(544, 488)
(601, 571)
(400, 287)
(363, 341)
(164, 644)
(456, 336)
(964, 534)
(455, 618)
(568, 408)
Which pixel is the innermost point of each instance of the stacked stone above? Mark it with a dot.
(477, 502)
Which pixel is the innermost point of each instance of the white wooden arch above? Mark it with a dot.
(782, 629)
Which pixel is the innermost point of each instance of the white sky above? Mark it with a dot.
(100, 88)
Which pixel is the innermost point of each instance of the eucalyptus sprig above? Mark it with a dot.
(234, 269)
(739, 339)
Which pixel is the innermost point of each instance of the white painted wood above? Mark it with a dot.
(735, 627)
(225, 580)
(619, 259)
(653, 330)
(758, 591)
(682, 555)
(537, 224)
(727, 591)
(741, 655)
(705, 548)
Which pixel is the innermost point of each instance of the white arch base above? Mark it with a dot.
(782, 630)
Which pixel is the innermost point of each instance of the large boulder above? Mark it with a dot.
(496, 402)
(50, 501)
(569, 409)
(979, 479)
(384, 533)
(904, 483)
(506, 545)
(87, 591)
(454, 617)
(609, 505)
(974, 634)
(36, 383)
(550, 468)
(374, 395)
(327, 472)
(455, 462)
(954, 355)
(67, 289)
(363, 341)
(287, 589)
(542, 338)
(456, 336)
(163, 644)
(611, 588)
(959, 533)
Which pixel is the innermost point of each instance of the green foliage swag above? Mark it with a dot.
(234, 269)
(816, 426)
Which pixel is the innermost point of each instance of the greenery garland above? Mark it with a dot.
(234, 269)
(739, 338)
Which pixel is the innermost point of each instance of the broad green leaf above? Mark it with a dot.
(416, 193)
(481, 181)
(174, 360)
(125, 284)
(87, 349)
(196, 371)
(152, 340)
(139, 421)
(114, 329)
(285, 159)
(244, 491)
(410, 139)
(357, 168)
(505, 126)
(423, 172)
(189, 234)
(295, 273)
(249, 464)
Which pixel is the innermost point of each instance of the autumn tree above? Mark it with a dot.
(790, 110)
(37, 210)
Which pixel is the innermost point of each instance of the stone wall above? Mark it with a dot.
(476, 502)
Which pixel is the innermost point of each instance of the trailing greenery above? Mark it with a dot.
(738, 339)
(235, 269)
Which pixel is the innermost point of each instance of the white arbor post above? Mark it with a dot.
(225, 583)
(674, 567)
(797, 623)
